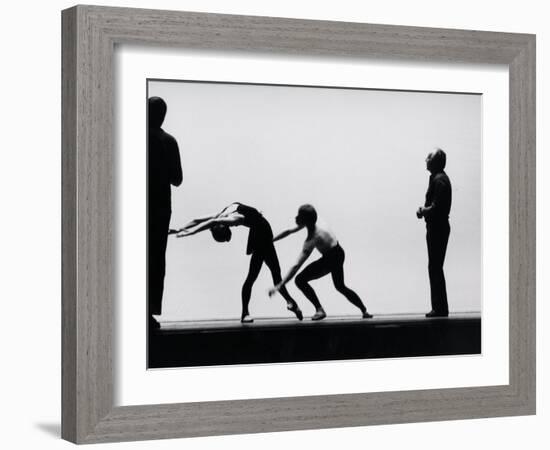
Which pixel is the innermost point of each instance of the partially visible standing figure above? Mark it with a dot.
(436, 214)
(164, 170)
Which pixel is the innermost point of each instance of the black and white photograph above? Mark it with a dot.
(294, 223)
(282, 224)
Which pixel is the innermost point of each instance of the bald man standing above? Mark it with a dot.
(435, 212)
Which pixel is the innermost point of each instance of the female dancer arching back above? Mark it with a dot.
(260, 247)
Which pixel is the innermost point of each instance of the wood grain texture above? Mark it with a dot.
(68, 225)
(523, 225)
(89, 36)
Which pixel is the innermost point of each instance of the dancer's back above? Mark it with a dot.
(323, 239)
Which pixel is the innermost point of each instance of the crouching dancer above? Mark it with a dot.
(332, 261)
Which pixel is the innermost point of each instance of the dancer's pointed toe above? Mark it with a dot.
(296, 310)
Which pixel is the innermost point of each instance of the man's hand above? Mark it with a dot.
(420, 212)
(184, 233)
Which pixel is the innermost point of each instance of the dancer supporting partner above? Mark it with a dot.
(260, 247)
(332, 261)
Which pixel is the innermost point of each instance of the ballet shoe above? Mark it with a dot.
(319, 315)
(366, 315)
(296, 311)
(247, 319)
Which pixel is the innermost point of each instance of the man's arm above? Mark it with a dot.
(304, 255)
(286, 233)
(427, 211)
(174, 162)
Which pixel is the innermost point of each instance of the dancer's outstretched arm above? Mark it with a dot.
(232, 220)
(306, 251)
(196, 222)
(203, 219)
(288, 232)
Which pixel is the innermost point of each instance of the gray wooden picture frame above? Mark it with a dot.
(89, 37)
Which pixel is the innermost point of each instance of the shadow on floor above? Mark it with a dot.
(53, 429)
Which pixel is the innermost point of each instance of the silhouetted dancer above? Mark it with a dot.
(164, 169)
(436, 214)
(260, 247)
(332, 261)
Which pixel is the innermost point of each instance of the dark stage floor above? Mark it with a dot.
(206, 343)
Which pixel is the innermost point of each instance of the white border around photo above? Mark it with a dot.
(136, 385)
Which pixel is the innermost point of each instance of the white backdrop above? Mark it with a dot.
(30, 236)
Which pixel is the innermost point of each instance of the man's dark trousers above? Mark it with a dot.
(437, 236)
(159, 221)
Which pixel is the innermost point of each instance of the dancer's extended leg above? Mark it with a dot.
(273, 264)
(338, 280)
(256, 262)
(313, 271)
(437, 238)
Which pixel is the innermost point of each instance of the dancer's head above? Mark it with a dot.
(436, 161)
(221, 233)
(307, 216)
(157, 112)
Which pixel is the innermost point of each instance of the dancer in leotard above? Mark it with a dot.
(332, 261)
(260, 247)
